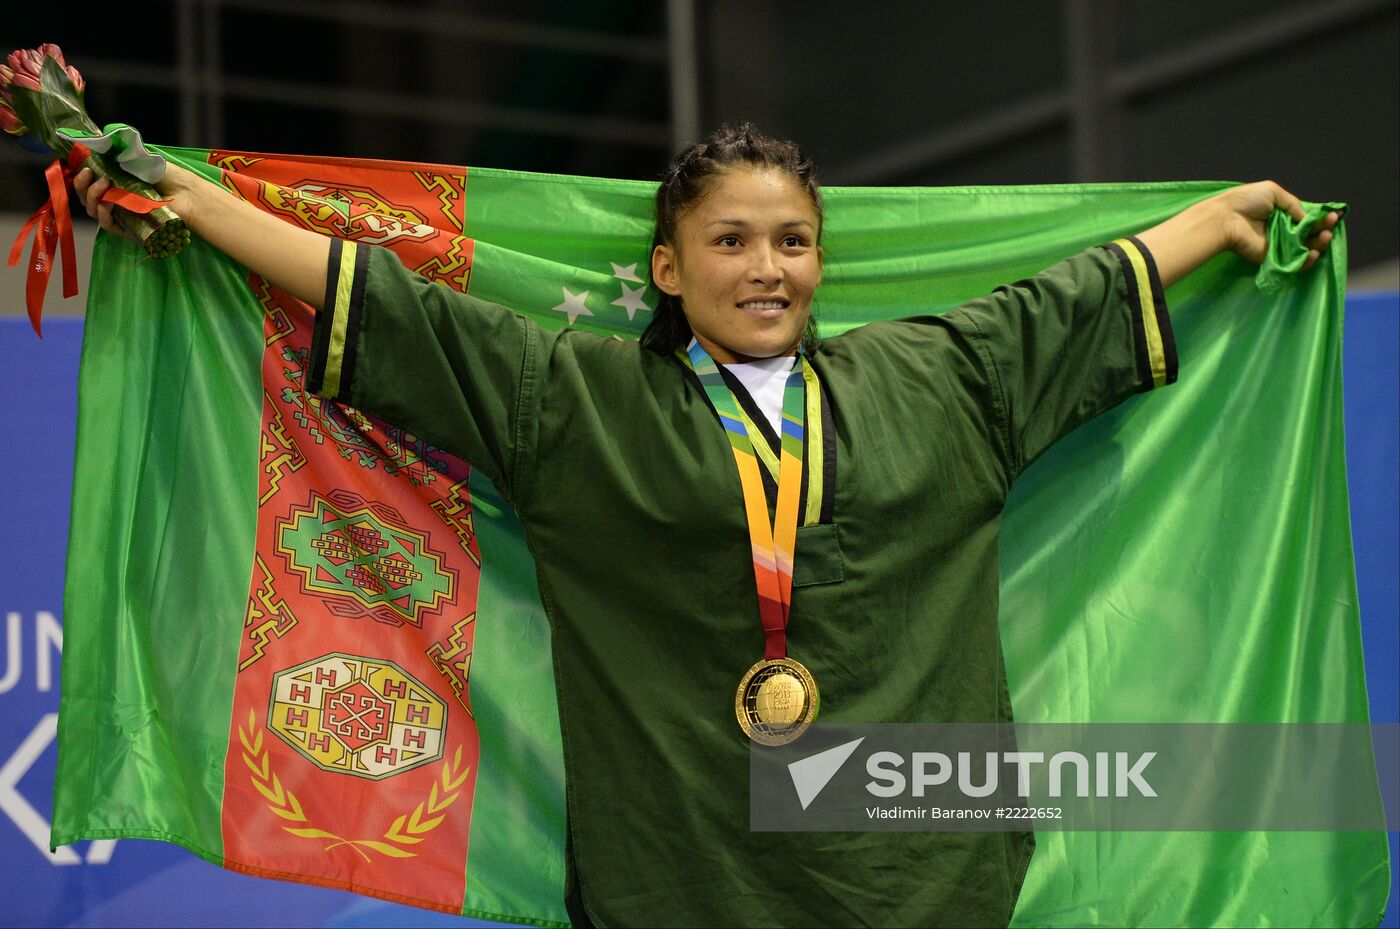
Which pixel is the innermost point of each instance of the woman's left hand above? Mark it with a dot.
(1245, 214)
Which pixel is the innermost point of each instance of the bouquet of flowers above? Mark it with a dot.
(41, 97)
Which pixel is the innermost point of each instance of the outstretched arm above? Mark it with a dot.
(293, 259)
(1236, 221)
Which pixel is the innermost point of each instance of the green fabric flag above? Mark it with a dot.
(306, 644)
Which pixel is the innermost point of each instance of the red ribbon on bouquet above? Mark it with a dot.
(52, 221)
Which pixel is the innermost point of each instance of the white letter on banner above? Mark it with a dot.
(14, 664)
(922, 779)
(34, 826)
(1081, 770)
(47, 633)
(1023, 762)
(873, 767)
(1134, 774)
(100, 851)
(965, 775)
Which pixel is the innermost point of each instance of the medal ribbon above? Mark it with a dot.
(814, 475)
(773, 545)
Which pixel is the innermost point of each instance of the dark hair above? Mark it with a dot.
(686, 182)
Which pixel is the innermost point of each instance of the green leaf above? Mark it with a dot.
(60, 105)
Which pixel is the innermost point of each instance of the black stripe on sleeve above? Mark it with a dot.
(1144, 361)
(321, 332)
(357, 312)
(1159, 304)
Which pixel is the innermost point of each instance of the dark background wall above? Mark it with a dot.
(904, 92)
(959, 93)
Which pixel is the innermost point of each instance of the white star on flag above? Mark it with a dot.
(573, 305)
(631, 300)
(625, 273)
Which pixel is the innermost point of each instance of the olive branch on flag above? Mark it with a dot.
(407, 829)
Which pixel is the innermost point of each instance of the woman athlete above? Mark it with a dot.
(852, 564)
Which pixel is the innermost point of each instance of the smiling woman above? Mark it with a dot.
(745, 262)
(737, 252)
(867, 521)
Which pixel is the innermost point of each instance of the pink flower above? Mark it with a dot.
(30, 62)
(50, 50)
(26, 67)
(9, 122)
(57, 105)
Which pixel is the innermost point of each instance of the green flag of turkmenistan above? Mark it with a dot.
(306, 644)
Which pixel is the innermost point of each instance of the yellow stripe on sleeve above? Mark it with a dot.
(340, 320)
(1148, 308)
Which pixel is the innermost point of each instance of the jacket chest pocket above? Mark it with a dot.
(818, 559)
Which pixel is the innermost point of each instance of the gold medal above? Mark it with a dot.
(776, 701)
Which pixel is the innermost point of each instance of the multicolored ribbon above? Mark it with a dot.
(52, 222)
(813, 472)
(773, 545)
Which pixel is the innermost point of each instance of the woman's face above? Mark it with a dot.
(745, 265)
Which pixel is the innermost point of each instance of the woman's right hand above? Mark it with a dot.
(294, 259)
(179, 187)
